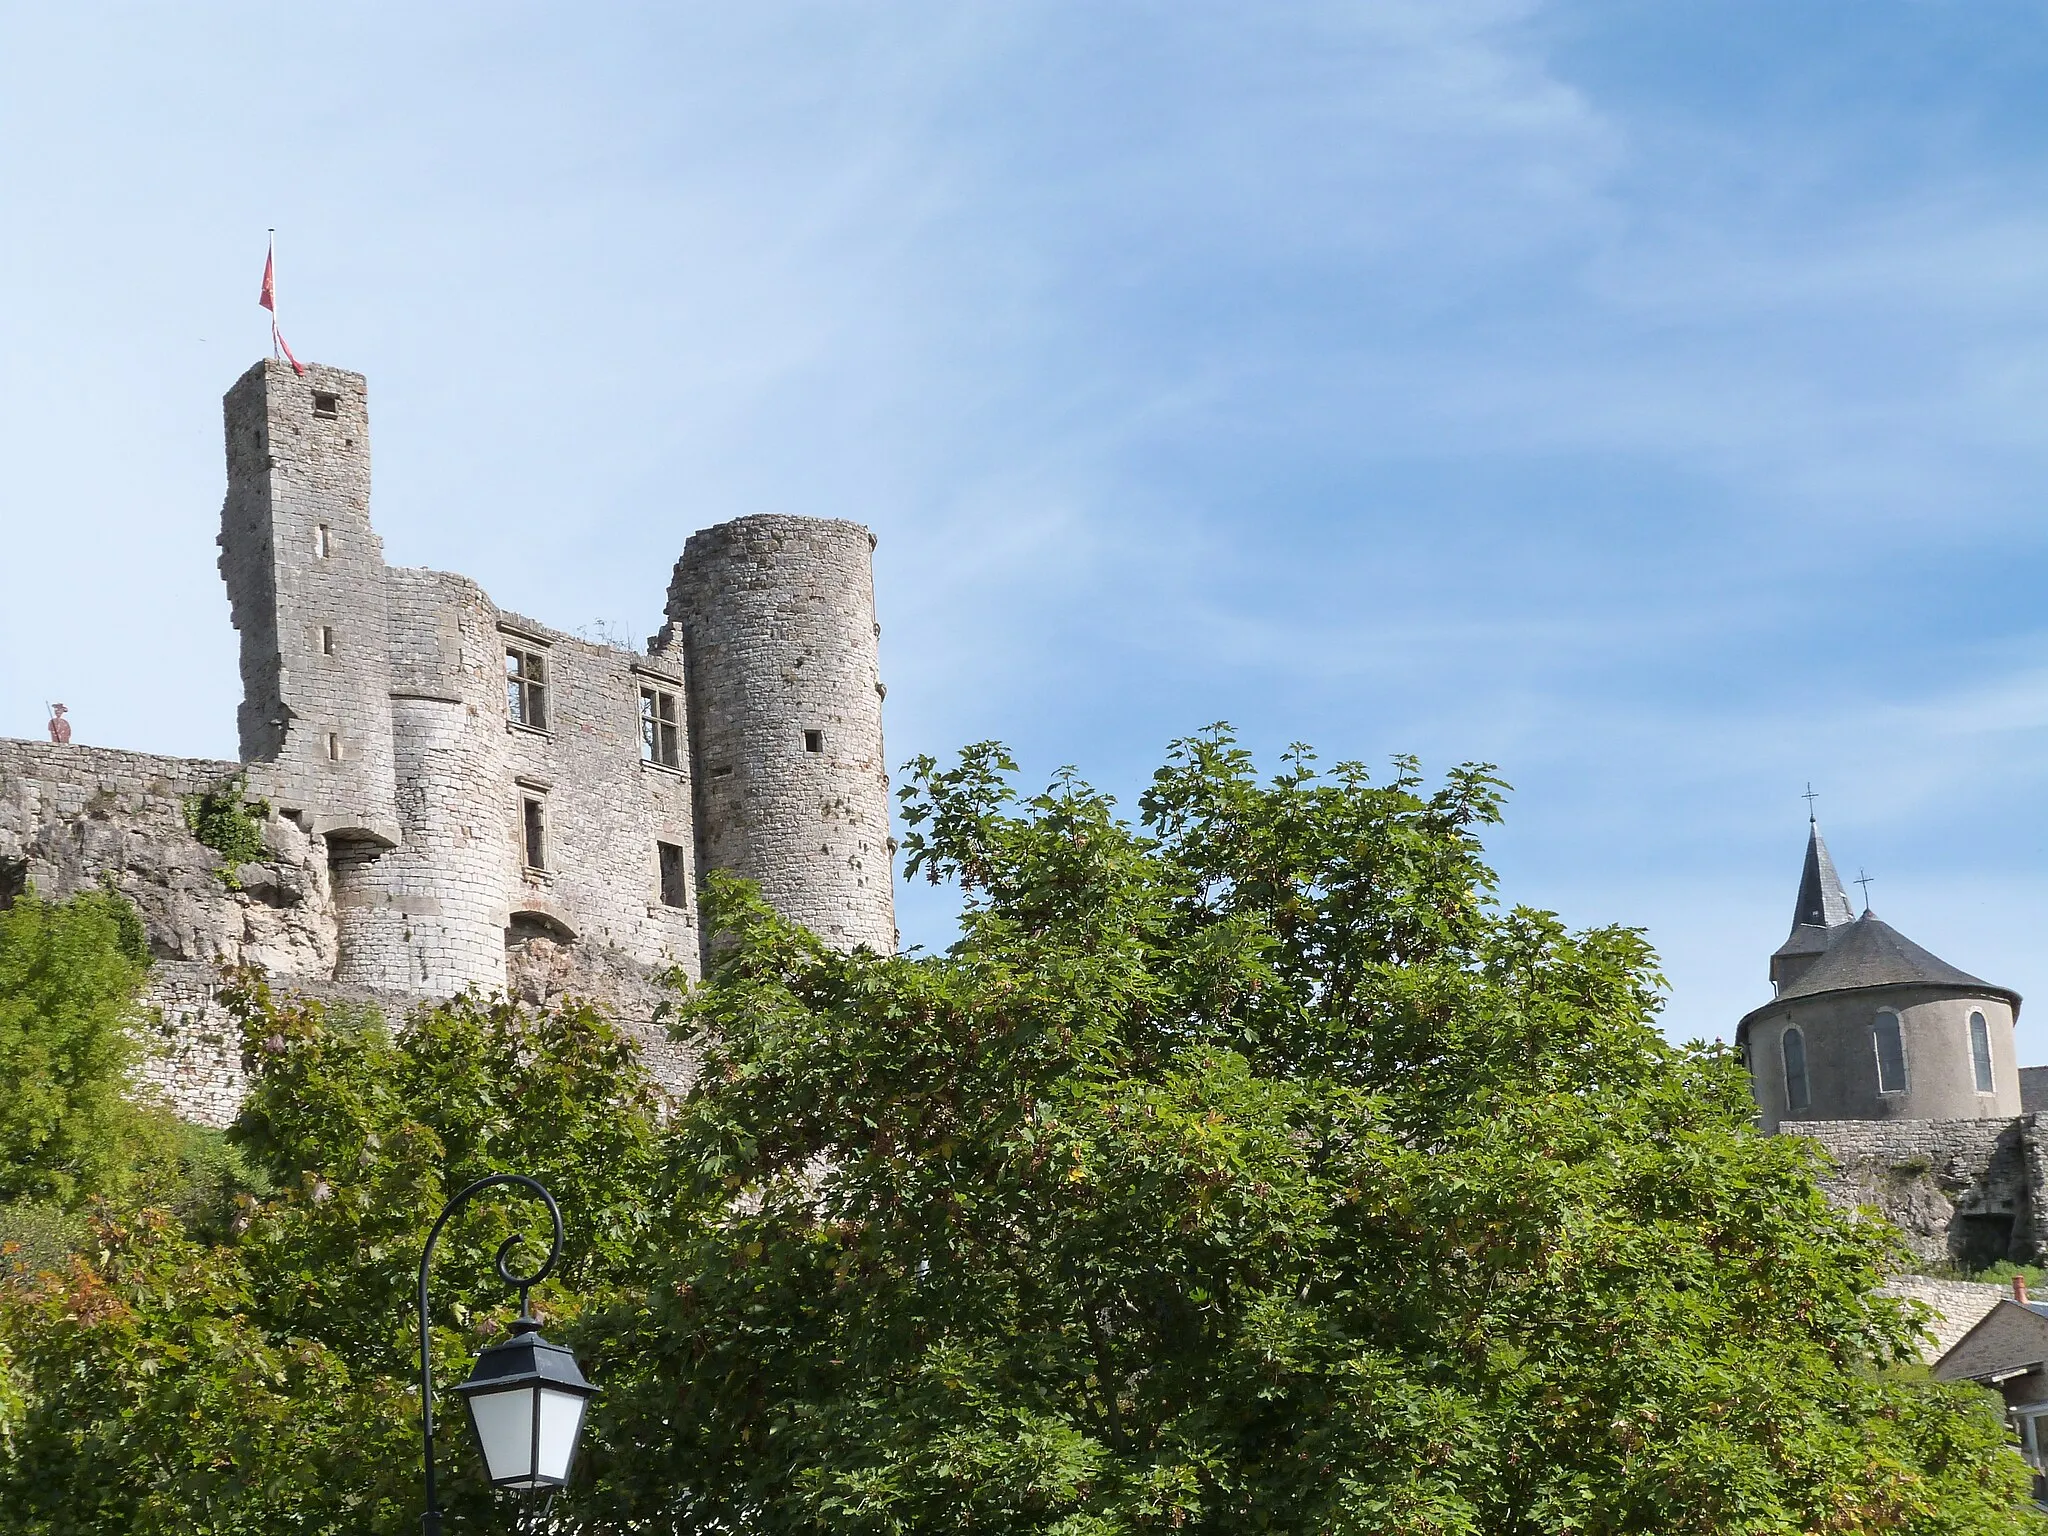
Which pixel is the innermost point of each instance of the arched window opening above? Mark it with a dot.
(1795, 1069)
(1891, 1053)
(1980, 1051)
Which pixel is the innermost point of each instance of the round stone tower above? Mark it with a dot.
(776, 621)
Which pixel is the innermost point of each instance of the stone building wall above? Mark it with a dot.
(428, 916)
(1958, 1306)
(606, 812)
(1841, 1061)
(775, 618)
(1962, 1192)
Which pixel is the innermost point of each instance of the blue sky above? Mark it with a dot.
(1651, 399)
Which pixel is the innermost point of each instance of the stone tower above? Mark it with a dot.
(305, 579)
(775, 619)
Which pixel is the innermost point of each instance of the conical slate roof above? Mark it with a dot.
(1872, 953)
(1822, 901)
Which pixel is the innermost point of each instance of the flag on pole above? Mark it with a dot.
(268, 299)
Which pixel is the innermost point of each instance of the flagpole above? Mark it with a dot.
(271, 265)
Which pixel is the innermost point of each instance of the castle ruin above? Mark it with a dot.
(454, 796)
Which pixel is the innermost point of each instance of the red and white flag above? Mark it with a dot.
(268, 299)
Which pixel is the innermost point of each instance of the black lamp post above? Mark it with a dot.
(525, 1396)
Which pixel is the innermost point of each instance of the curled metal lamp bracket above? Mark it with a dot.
(430, 1523)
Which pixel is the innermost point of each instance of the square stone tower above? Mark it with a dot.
(306, 585)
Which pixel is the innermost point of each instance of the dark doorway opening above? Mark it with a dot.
(1980, 1241)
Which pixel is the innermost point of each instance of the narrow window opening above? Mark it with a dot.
(674, 889)
(333, 747)
(814, 741)
(660, 742)
(326, 639)
(1891, 1053)
(1980, 1052)
(324, 405)
(322, 545)
(535, 827)
(526, 688)
(1794, 1046)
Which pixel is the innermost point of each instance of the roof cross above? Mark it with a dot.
(1864, 880)
(1809, 797)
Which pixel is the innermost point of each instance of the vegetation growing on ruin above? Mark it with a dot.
(227, 821)
(69, 975)
(75, 1133)
(1243, 1170)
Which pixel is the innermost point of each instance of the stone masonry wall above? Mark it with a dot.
(429, 915)
(1958, 1306)
(72, 817)
(775, 618)
(606, 811)
(305, 578)
(1961, 1191)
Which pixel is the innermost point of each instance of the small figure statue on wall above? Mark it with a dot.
(60, 728)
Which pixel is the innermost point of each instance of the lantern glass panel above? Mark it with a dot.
(504, 1428)
(561, 1415)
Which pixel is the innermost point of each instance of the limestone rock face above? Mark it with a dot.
(72, 818)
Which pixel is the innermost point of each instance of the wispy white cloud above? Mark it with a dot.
(1483, 377)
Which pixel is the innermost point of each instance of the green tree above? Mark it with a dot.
(261, 1376)
(1245, 1170)
(1248, 1171)
(70, 973)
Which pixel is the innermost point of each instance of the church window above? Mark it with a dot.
(323, 546)
(526, 688)
(1980, 1052)
(658, 733)
(534, 827)
(1891, 1053)
(674, 889)
(1794, 1046)
(326, 639)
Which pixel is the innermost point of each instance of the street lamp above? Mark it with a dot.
(525, 1396)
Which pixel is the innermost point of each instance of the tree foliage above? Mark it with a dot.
(263, 1377)
(1250, 1171)
(1244, 1170)
(70, 972)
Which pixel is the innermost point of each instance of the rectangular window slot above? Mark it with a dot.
(814, 741)
(333, 747)
(659, 737)
(326, 639)
(526, 689)
(535, 827)
(324, 405)
(674, 889)
(323, 546)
